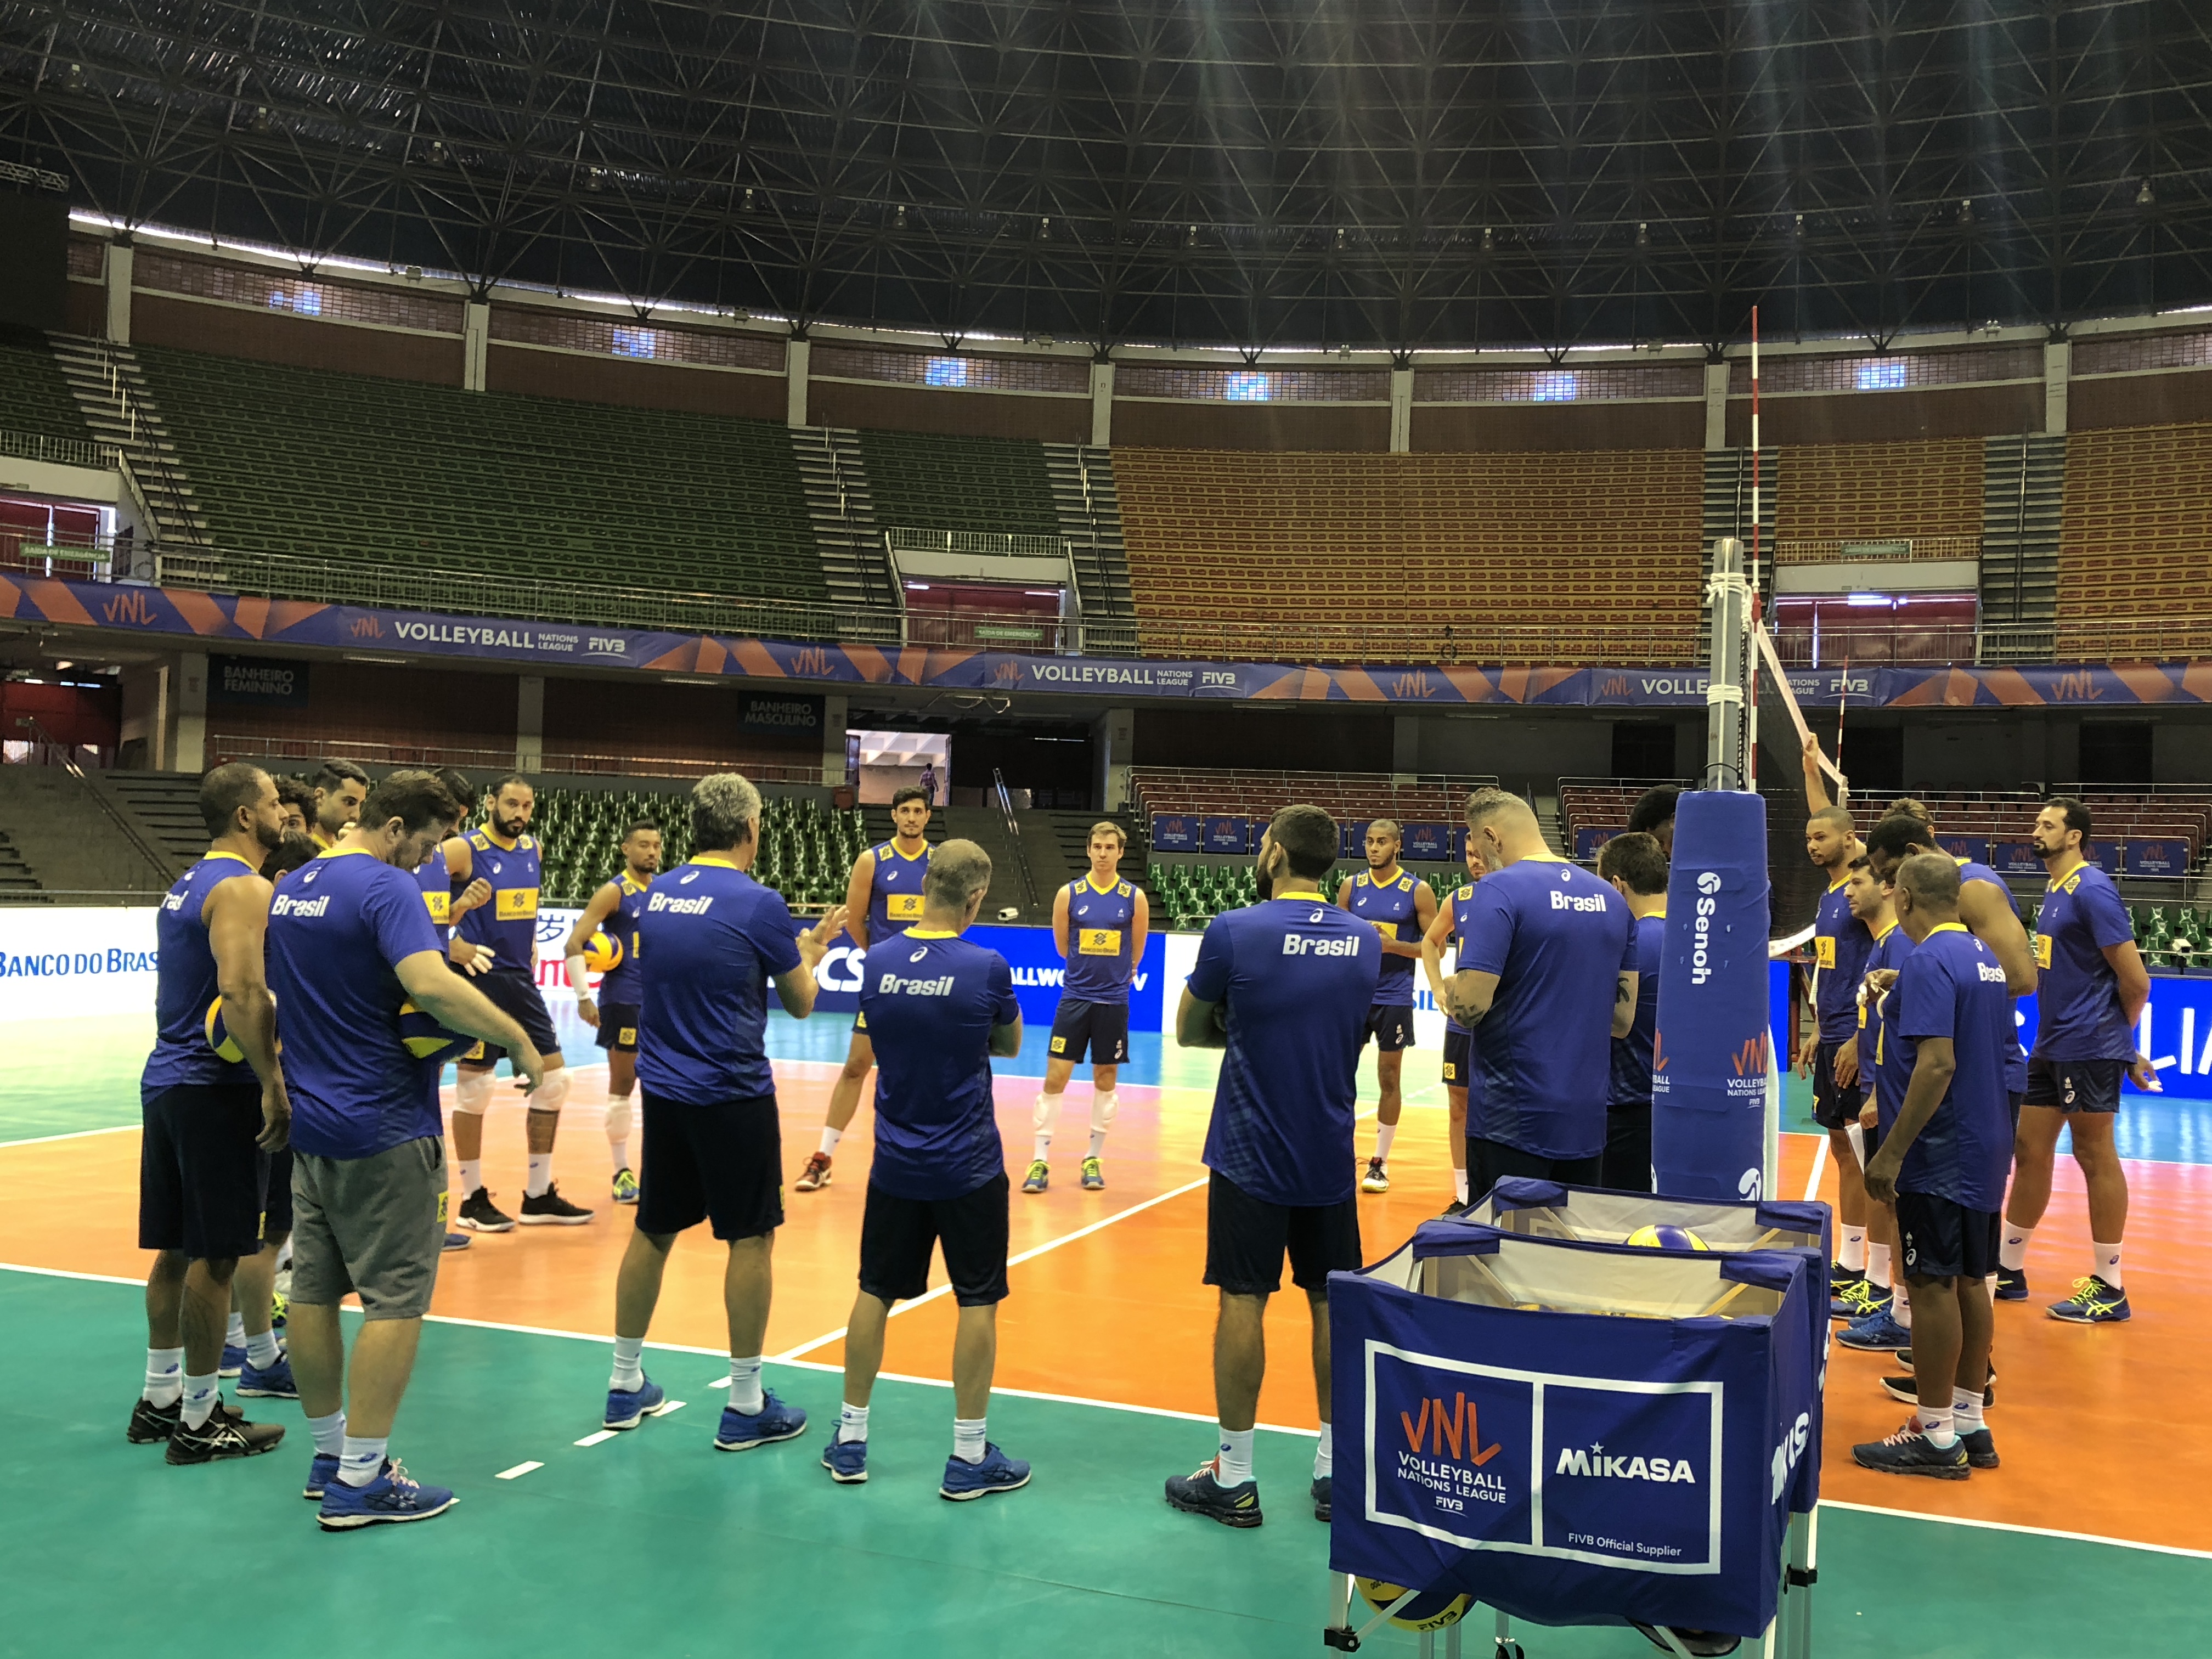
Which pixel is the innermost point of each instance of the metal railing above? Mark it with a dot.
(157, 860)
(1876, 550)
(974, 544)
(58, 451)
(314, 747)
(1014, 840)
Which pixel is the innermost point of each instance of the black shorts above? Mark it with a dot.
(898, 1234)
(721, 1162)
(1098, 1030)
(617, 1032)
(515, 994)
(1834, 1107)
(2075, 1085)
(1489, 1162)
(1459, 1051)
(1627, 1156)
(276, 1198)
(201, 1179)
(1938, 1239)
(1391, 1025)
(1246, 1239)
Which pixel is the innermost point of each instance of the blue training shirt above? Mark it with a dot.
(1297, 975)
(1559, 939)
(2077, 998)
(1392, 904)
(625, 981)
(1890, 947)
(185, 983)
(338, 927)
(507, 926)
(1951, 986)
(2016, 1056)
(927, 1003)
(1632, 1055)
(1100, 934)
(710, 938)
(1840, 944)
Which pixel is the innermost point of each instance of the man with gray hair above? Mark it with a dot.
(710, 939)
(937, 1008)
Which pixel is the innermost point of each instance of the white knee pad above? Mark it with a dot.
(1102, 1108)
(621, 1114)
(551, 1095)
(472, 1093)
(1045, 1116)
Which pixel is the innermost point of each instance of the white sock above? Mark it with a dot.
(1103, 1108)
(1900, 1306)
(620, 1116)
(968, 1442)
(1044, 1118)
(630, 1368)
(329, 1434)
(1854, 1255)
(1877, 1267)
(1383, 1136)
(2108, 1264)
(2012, 1249)
(1324, 1456)
(619, 1152)
(470, 1171)
(362, 1460)
(830, 1138)
(261, 1351)
(1967, 1410)
(233, 1334)
(852, 1423)
(541, 1175)
(201, 1396)
(745, 1394)
(1938, 1424)
(1459, 1185)
(165, 1376)
(1232, 1464)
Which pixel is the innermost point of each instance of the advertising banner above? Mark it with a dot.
(2156, 858)
(1037, 969)
(1431, 843)
(1226, 834)
(1175, 833)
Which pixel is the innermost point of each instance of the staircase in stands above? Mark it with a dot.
(846, 533)
(2023, 488)
(111, 392)
(1090, 519)
(1726, 510)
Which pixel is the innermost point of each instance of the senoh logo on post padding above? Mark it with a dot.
(1709, 883)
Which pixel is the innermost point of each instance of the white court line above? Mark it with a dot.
(517, 1471)
(74, 1134)
(2030, 1532)
(671, 1408)
(1820, 1168)
(597, 1437)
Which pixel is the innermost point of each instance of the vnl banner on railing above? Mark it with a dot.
(188, 613)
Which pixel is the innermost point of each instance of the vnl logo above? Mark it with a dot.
(1451, 1447)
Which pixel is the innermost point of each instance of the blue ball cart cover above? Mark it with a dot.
(1577, 1433)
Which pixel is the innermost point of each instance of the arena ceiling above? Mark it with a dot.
(1375, 173)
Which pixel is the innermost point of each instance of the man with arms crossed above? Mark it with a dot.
(349, 942)
(1947, 1025)
(1401, 910)
(936, 1008)
(882, 897)
(2092, 987)
(210, 1125)
(1637, 869)
(1283, 987)
(447, 907)
(616, 907)
(1098, 927)
(1840, 944)
(712, 939)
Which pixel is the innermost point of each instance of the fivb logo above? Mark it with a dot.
(1701, 929)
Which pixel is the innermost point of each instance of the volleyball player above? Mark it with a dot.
(1546, 976)
(2092, 987)
(1942, 1164)
(1098, 927)
(504, 933)
(1654, 815)
(882, 897)
(349, 942)
(1888, 1327)
(1840, 944)
(1637, 869)
(1401, 909)
(210, 1124)
(446, 907)
(339, 788)
(1282, 987)
(936, 1008)
(1458, 1073)
(711, 940)
(613, 1014)
(297, 801)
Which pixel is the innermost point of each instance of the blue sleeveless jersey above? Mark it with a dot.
(507, 926)
(437, 884)
(185, 983)
(1099, 939)
(1390, 903)
(2016, 1056)
(626, 982)
(895, 896)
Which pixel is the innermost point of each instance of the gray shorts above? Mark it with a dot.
(376, 1225)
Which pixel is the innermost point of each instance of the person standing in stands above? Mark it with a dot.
(882, 897)
(503, 933)
(614, 1013)
(1401, 909)
(1637, 869)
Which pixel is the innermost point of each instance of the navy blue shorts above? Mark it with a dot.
(898, 1234)
(1937, 1239)
(1098, 1030)
(276, 1200)
(1834, 1107)
(1247, 1237)
(515, 994)
(202, 1181)
(617, 1032)
(2075, 1085)
(1391, 1025)
(1459, 1046)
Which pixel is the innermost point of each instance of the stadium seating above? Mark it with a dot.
(1600, 805)
(2119, 814)
(35, 398)
(921, 480)
(1878, 492)
(1486, 558)
(2134, 532)
(299, 461)
(1348, 797)
(807, 851)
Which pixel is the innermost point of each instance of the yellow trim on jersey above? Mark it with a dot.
(2067, 881)
(635, 883)
(1947, 927)
(720, 861)
(1117, 885)
(491, 838)
(1546, 858)
(931, 932)
(347, 852)
(1885, 932)
(909, 857)
(1839, 883)
(1368, 875)
(205, 857)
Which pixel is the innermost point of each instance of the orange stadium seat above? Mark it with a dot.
(2135, 541)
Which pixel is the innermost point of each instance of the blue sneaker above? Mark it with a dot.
(1876, 1333)
(1857, 1300)
(625, 1186)
(740, 1431)
(1201, 1492)
(2012, 1284)
(996, 1472)
(1323, 1493)
(1908, 1452)
(233, 1362)
(455, 1242)
(275, 1383)
(322, 1475)
(627, 1407)
(391, 1497)
(846, 1461)
(2093, 1302)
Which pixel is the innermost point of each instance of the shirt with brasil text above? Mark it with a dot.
(2077, 1000)
(1297, 975)
(928, 1002)
(1558, 940)
(1632, 1055)
(1951, 986)
(338, 927)
(709, 939)
(1840, 943)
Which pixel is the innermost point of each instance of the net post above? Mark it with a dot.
(1728, 593)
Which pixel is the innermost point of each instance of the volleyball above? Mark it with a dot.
(602, 953)
(423, 1038)
(219, 1038)
(1430, 1610)
(1664, 1236)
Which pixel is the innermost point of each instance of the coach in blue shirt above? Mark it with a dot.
(1547, 978)
(710, 938)
(1283, 987)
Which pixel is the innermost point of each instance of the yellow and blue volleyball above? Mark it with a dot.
(1664, 1236)
(424, 1037)
(1430, 1610)
(603, 952)
(219, 1038)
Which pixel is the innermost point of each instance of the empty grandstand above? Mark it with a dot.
(2136, 548)
(925, 481)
